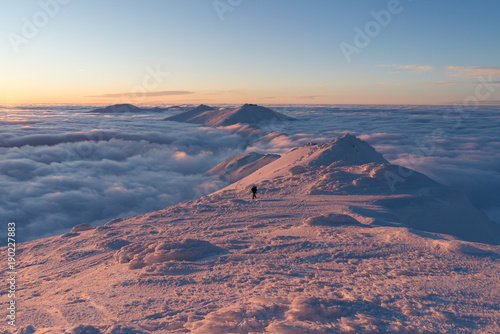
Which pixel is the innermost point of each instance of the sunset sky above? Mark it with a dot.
(259, 51)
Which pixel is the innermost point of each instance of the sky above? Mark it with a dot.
(259, 51)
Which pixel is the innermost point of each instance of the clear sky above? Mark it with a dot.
(258, 51)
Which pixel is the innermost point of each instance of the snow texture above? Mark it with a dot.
(291, 261)
(332, 219)
(141, 255)
(81, 227)
(351, 166)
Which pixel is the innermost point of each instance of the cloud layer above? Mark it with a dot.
(69, 168)
(60, 167)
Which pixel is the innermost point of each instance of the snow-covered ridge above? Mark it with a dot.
(350, 166)
(241, 165)
(246, 114)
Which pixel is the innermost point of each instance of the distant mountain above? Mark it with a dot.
(246, 114)
(190, 114)
(118, 109)
(242, 165)
(125, 108)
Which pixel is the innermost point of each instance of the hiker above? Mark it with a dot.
(254, 192)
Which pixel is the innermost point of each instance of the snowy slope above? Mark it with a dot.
(246, 114)
(349, 165)
(241, 165)
(321, 250)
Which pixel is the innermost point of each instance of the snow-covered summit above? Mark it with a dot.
(253, 114)
(246, 114)
(347, 150)
(351, 167)
(319, 159)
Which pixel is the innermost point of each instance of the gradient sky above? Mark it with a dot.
(260, 51)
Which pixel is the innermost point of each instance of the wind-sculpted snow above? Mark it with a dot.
(141, 255)
(302, 315)
(80, 329)
(81, 227)
(331, 219)
(227, 264)
(241, 165)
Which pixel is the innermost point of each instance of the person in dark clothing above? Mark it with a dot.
(254, 192)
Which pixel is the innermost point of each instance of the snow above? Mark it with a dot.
(351, 166)
(327, 247)
(331, 219)
(141, 255)
(246, 114)
(241, 165)
(81, 227)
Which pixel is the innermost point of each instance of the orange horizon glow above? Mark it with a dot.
(376, 97)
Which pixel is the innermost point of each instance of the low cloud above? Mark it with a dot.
(414, 67)
(52, 181)
(473, 72)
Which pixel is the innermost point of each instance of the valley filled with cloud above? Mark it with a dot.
(63, 166)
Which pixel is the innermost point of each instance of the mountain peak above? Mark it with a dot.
(252, 114)
(316, 161)
(118, 108)
(350, 168)
(347, 150)
(246, 114)
(202, 107)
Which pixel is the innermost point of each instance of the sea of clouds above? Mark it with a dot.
(62, 166)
